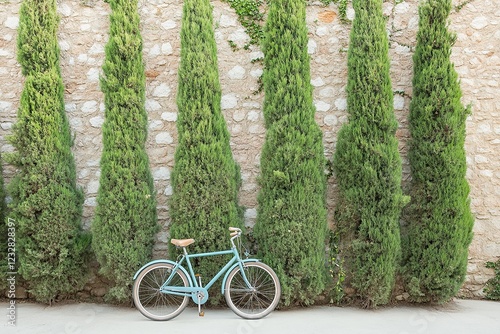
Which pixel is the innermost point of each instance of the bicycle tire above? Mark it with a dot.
(262, 300)
(154, 304)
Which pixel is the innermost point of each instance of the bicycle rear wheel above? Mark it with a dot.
(150, 301)
(259, 300)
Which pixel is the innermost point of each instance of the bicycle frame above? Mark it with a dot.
(195, 289)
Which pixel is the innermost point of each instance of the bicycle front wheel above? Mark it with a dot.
(260, 298)
(148, 298)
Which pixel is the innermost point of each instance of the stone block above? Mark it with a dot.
(253, 116)
(89, 107)
(152, 105)
(169, 24)
(12, 22)
(164, 138)
(239, 115)
(237, 73)
(168, 191)
(229, 101)
(162, 90)
(331, 120)
(479, 22)
(322, 106)
(5, 107)
(169, 116)
(93, 187)
(317, 82)
(162, 173)
(97, 122)
(341, 104)
(166, 48)
(227, 21)
(328, 16)
(155, 125)
(312, 46)
(399, 102)
(256, 73)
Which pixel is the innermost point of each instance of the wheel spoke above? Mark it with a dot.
(261, 298)
(153, 303)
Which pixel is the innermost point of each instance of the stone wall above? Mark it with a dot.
(83, 35)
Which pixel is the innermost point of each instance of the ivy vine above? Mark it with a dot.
(336, 269)
(251, 18)
(462, 5)
(493, 285)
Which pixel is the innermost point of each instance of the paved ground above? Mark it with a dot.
(461, 316)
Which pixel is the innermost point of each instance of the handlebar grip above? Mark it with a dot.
(235, 233)
(234, 229)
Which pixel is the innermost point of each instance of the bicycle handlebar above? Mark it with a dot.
(234, 231)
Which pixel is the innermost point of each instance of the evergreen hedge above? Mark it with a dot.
(291, 222)
(125, 221)
(46, 203)
(367, 163)
(439, 220)
(205, 178)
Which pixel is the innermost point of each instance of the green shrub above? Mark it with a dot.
(46, 203)
(125, 221)
(438, 221)
(291, 222)
(3, 231)
(205, 178)
(3, 206)
(367, 164)
(492, 287)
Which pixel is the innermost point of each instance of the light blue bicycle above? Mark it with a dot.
(162, 288)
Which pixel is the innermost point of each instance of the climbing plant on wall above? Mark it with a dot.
(46, 203)
(492, 288)
(125, 219)
(367, 164)
(438, 220)
(291, 221)
(3, 231)
(250, 16)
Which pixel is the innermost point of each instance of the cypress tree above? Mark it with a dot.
(291, 222)
(46, 203)
(438, 220)
(367, 163)
(125, 220)
(205, 177)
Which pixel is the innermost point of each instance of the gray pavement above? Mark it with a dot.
(460, 316)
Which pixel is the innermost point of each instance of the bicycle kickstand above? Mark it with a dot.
(200, 296)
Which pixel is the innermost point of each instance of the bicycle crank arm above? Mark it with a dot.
(200, 297)
(200, 312)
